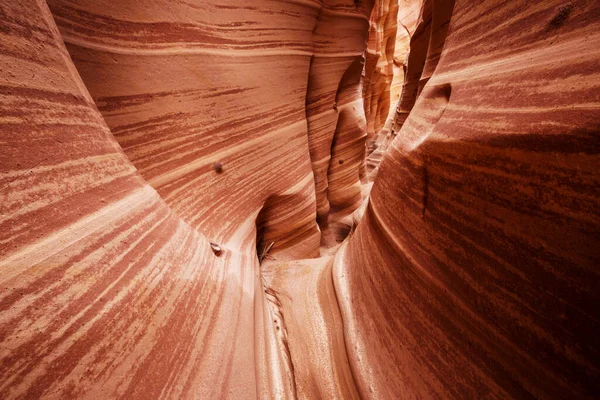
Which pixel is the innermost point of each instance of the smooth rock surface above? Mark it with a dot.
(133, 268)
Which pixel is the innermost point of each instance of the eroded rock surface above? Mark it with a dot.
(474, 271)
(171, 172)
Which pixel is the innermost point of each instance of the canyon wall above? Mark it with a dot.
(408, 15)
(144, 244)
(171, 173)
(106, 292)
(474, 271)
(387, 51)
(340, 37)
(207, 96)
(392, 24)
(379, 68)
(184, 86)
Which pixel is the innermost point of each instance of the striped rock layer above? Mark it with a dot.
(335, 116)
(474, 272)
(379, 65)
(387, 50)
(408, 14)
(170, 173)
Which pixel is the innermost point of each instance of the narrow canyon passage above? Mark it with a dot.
(312, 199)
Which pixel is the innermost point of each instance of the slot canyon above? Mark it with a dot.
(299, 199)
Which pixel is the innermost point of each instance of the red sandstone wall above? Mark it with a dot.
(384, 75)
(472, 274)
(340, 39)
(105, 291)
(183, 86)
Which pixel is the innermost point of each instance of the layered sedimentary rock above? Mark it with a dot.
(473, 271)
(105, 291)
(98, 260)
(186, 85)
(215, 67)
(347, 170)
(408, 15)
(384, 75)
(391, 26)
(426, 46)
(340, 39)
(379, 67)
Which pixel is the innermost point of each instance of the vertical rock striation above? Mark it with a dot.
(340, 38)
(385, 87)
(379, 66)
(408, 15)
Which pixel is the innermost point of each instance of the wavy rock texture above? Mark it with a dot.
(379, 65)
(384, 76)
(105, 291)
(408, 15)
(340, 39)
(180, 98)
(185, 85)
(426, 46)
(473, 272)
(346, 171)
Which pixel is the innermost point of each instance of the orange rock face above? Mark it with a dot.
(185, 204)
(474, 272)
(408, 15)
(185, 85)
(385, 70)
(379, 67)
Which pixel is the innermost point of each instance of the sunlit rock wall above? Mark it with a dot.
(186, 85)
(408, 15)
(379, 66)
(380, 81)
(208, 101)
(426, 46)
(340, 39)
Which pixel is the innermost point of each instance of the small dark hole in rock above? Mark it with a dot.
(561, 17)
(341, 162)
(218, 167)
(215, 248)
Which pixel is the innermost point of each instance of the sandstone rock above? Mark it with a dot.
(467, 269)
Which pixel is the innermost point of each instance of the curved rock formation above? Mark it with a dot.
(474, 272)
(105, 291)
(384, 79)
(170, 177)
(182, 86)
(379, 67)
(340, 38)
(408, 15)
